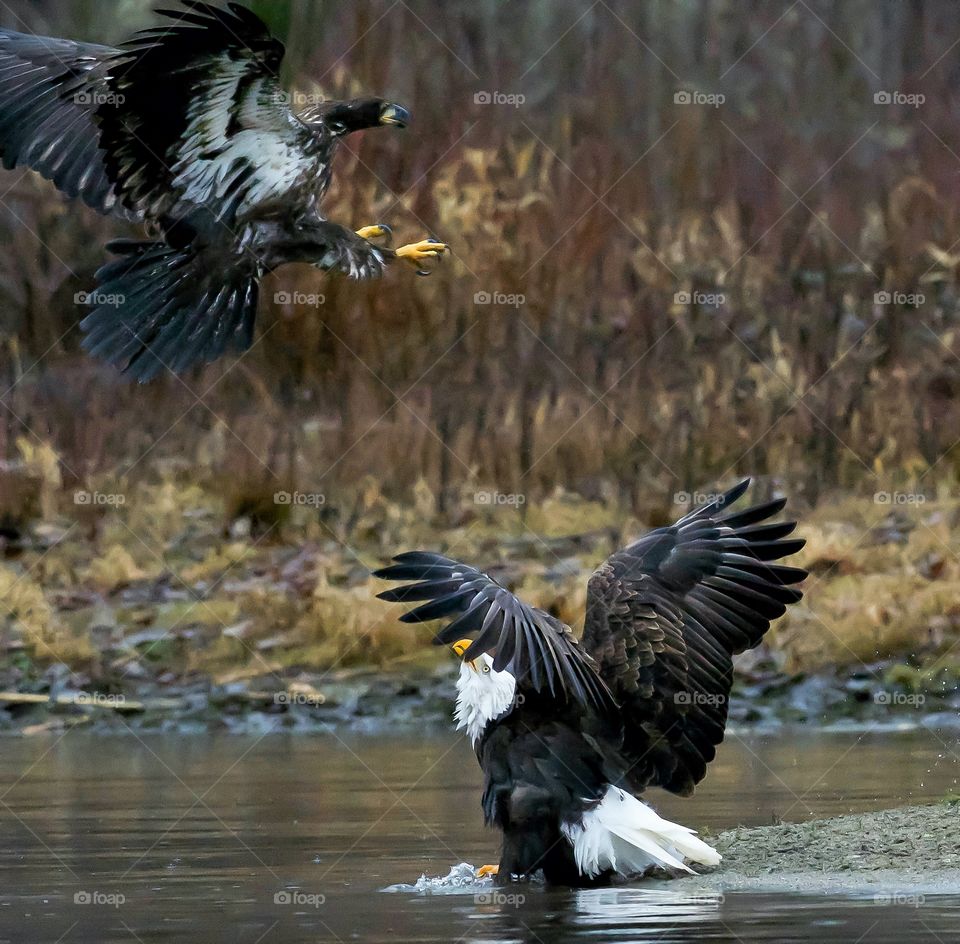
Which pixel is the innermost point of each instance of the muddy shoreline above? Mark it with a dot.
(897, 856)
(371, 700)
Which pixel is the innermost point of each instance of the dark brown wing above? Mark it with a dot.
(49, 92)
(192, 111)
(665, 617)
(539, 650)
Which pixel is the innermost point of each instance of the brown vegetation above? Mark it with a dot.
(826, 222)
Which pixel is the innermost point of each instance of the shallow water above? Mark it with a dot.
(116, 840)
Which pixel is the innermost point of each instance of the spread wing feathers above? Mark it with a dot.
(536, 648)
(665, 617)
(174, 304)
(49, 93)
(158, 307)
(194, 106)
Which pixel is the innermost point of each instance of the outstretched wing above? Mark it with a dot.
(175, 303)
(183, 115)
(665, 617)
(539, 650)
(49, 94)
(196, 110)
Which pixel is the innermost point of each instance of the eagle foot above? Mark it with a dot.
(486, 870)
(377, 231)
(419, 253)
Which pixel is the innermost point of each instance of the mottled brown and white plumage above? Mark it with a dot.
(185, 127)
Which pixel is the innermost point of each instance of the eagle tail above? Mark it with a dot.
(624, 835)
(159, 308)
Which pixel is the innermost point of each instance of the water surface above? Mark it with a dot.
(289, 839)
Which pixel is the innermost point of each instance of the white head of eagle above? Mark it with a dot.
(483, 694)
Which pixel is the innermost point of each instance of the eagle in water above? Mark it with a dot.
(569, 734)
(186, 128)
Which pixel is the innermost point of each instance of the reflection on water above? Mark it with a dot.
(289, 839)
(663, 916)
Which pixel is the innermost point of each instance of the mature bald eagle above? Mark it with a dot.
(569, 733)
(187, 128)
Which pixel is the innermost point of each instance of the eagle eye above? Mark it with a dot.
(486, 669)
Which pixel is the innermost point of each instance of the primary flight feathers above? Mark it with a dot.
(664, 618)
(187, 128)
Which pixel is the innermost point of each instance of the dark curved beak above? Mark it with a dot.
(394, 115)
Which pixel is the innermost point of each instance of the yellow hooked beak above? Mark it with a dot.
(394, 115)
(460, 647)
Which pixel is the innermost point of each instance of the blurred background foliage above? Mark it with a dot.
(765, 287)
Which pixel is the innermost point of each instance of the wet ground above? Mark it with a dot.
(292, 838)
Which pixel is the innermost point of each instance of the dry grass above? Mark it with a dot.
(209, 597)
(594, 401)
(883, 585)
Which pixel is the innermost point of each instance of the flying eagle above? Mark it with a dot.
(568, 733)
(187, 128)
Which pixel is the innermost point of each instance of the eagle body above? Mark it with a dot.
(289, 172)
(554, 786)
(541, 775)
(530, 795)
(570, 733)
(186, 129)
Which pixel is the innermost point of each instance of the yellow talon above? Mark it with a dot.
(486, 870)
(376, 231)
(418, 253)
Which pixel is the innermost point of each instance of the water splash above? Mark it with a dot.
(461, 878)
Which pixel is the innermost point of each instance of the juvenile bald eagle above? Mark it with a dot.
(568, 733)
(187, 128)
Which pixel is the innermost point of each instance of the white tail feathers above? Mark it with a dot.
(625, 835)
